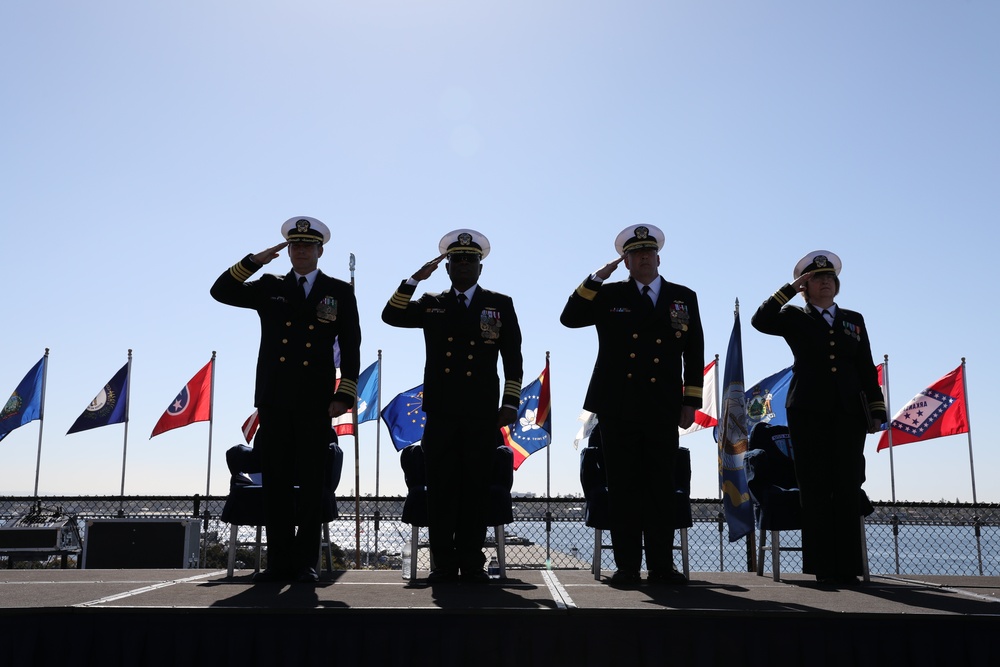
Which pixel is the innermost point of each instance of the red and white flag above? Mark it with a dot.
(250, 426)
(193, 403)
(708, 415)
(935, 412)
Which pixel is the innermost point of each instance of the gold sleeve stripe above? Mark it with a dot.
(874, 406)
(780, 297)
(240, 272)
(693, 392)
(348, 387)
(586, 292)
(512, 387)
(399, 300)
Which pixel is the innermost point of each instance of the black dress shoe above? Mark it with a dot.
(474, 577)
(269, 576)
(440, 576)
(625, 579)
(672, 578)
(307, 575)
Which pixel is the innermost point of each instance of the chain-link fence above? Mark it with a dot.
(903, 538)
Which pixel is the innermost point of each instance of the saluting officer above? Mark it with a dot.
(302, 314)
(646, 383)
(834, 399)
(466, 330)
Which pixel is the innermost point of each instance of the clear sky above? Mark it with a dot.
(146, 147)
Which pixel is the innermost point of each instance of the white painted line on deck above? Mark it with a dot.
(147, 589)
(559, 594)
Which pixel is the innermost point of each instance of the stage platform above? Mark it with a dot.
(551, 618)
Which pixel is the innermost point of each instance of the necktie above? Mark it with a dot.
(645, 293)
(302, 286)
(462, 298)
(828, 316)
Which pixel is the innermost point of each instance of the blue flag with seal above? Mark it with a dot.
(766, 400)
(731, 434)
(110, 406)
(25, 404)
(405, 418)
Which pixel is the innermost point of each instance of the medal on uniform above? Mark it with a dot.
(489, 324)
(326, 309)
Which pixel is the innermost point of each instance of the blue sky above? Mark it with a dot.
(146, 147)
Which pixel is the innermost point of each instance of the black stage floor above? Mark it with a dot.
(551, 618)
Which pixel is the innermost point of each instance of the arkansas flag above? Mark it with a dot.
(937, 411)
(193, 403)
(708, 415)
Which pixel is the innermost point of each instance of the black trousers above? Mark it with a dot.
(458, 452)
(830, 469)
(639, 454)
(294, 446)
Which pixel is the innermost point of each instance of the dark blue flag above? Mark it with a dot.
(731, 434)
(110, 406)
(404, 415)
(25, 404)
(766, 400)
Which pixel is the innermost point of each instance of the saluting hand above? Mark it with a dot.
(266, 256)
(427, 269)
(605, 271)
(800, 283)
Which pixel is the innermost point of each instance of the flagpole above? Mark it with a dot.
(211, 419)
(718, 411)
(378, 446)
(357, 468)
(968, 420)
(548, 476)
(41, 420)
(888, 413)
(128, 392)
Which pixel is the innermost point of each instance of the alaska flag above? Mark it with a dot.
(533, 429)
(25, 404)
(193, 403)
(404, 415)
(766, 400)
(731, 434)
(935, 412)
(110, 406)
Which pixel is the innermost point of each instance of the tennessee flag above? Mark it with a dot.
(935, 412)
(193, 403)
(533, 429)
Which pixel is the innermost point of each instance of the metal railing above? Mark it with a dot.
(903, 538)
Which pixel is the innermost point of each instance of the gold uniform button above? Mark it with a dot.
(285, 341)
(472, 342)
(305, 363)
(831, 330)
(652, 379)
(468, 374)
(309, 344)
(833, 369)
(629, 376)
(311, 327)
(656, 360)
(450, 339)
(659, 341)
(833, 356)
(678, 334)
(447, 370)
(631, 356)
(288, 324)
(447, 354)
(470, 357)
(634, 336)
(281, 359)
(832, 343)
